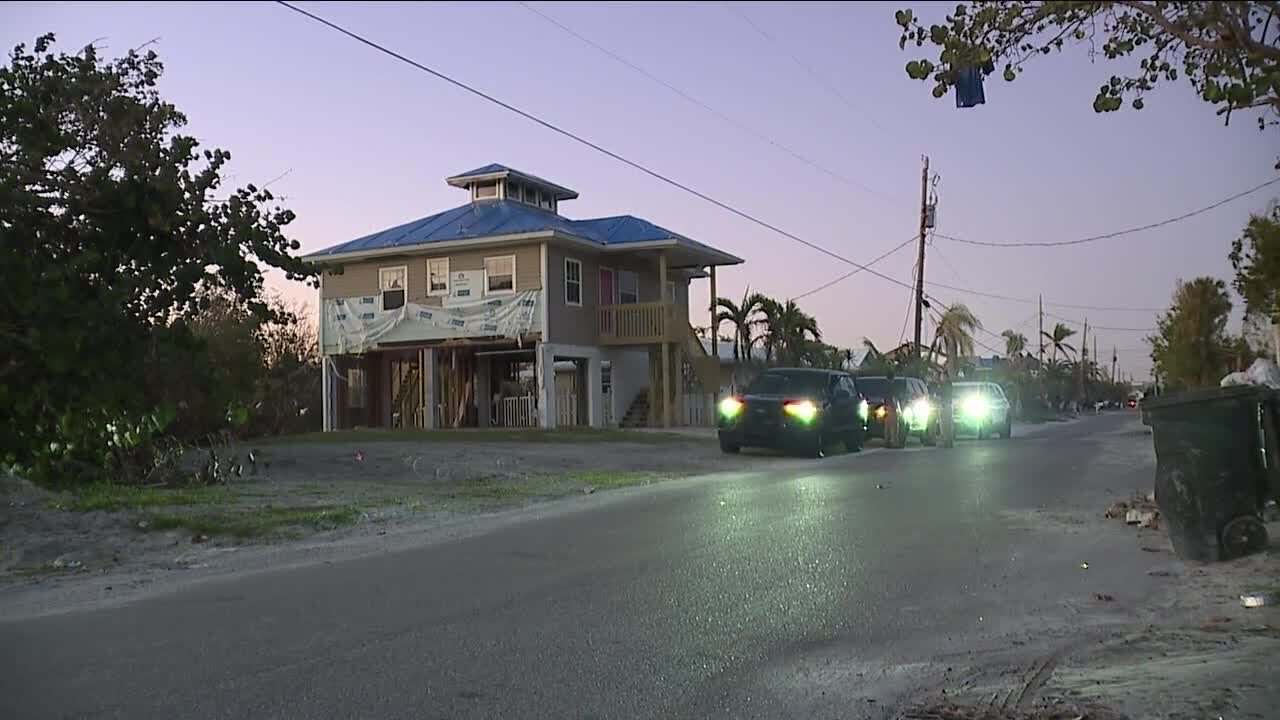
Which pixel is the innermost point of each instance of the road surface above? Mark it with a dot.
(811, 589)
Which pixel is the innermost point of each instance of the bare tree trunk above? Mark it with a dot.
(1275, 342)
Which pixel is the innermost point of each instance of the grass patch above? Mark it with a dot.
(110, 497)
(575, 435)
(261, 522)
(546, 486)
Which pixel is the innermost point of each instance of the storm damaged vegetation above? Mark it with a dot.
(133, 314)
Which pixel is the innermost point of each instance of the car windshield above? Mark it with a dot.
(779, 383)
(879, 386)
(988, 389)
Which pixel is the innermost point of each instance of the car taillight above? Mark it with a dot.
(802, 410)
(730, 407)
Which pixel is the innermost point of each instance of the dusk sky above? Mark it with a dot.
(367, 141)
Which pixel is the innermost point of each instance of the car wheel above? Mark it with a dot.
(818, 448)
(729, 448)
(854, 443)
(982, 432)
(929, 437)
(1008, 430)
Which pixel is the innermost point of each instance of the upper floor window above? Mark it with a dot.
(485, 190)
(391, 282)
(572, 282)
(438, 276)
(499, 274)
(513, 191)
(628, 287)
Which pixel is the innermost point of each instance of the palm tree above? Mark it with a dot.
(1014, 343)
(788, 331)
(742, 316)
(1058, 340)
(955, 334)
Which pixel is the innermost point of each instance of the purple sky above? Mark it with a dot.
(367, 142)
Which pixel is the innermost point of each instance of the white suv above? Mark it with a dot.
(981, 408)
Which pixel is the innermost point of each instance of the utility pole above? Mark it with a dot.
(1084, 355)
(1040, 359)
(1113, 364)
(924, 221)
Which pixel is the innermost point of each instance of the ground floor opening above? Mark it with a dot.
(509, 384)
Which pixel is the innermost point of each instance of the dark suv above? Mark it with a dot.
(910, 396)
(800, 409)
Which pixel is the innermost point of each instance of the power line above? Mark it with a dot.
(1098, 327)
(722, 116)
(579, 139)
(1117, 233)
(745, 128)
(855, 271)
(813, 74)
(609, 153)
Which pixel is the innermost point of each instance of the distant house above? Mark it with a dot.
(461, 318)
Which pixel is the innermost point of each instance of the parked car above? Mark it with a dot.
(915, 408)
(981, 408)
(795, 409)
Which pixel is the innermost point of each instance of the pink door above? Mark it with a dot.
(608, 296)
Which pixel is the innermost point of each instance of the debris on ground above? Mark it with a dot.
(1055, 710)
(1259, 599)
(1139, 510)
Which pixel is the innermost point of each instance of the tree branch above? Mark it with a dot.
(1245, 42)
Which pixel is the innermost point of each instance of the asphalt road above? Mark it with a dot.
(806, 590)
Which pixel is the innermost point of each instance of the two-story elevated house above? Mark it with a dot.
(504, 312)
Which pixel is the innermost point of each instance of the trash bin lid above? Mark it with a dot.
(1205, 395)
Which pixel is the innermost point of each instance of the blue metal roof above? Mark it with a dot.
(506, 217)
(489, 169)
(492, 169)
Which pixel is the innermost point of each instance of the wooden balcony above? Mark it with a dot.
(641, 323)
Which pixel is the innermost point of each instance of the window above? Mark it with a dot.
(532, 196)
(438, 276)
(572, 282)
(356, 390)
(499, 275)
(513, 191)
(545, 200)
(391, 281)
(628, 287)
(485, 190)
(789, 383)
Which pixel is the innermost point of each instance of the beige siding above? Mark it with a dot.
(566, 323)
(361, 278)
(577, 325)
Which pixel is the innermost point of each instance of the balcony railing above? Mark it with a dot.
(640, 323)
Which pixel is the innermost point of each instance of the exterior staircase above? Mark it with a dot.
(637, 415)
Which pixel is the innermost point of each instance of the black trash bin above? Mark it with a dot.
(1210, 477)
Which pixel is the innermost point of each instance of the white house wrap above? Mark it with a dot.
(354, 325)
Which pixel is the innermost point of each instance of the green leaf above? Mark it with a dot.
(1009, 74)
(939, 33)
(916, 71)
(939, 90)
(903, 17)
(1137, 103)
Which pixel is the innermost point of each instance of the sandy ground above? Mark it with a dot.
(1190, 649)
(368, 488)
